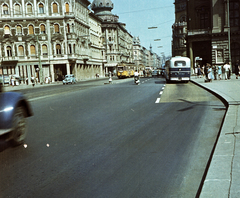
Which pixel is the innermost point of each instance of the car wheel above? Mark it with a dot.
(19, 127)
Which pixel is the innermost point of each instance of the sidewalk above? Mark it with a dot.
(25, 86)
(223, 176)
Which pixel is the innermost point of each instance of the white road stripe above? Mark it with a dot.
(161, 92)
(158, 100)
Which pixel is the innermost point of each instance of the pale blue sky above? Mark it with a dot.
(138, 15)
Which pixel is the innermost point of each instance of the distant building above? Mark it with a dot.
(118, 42)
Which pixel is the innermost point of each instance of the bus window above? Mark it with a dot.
(179, 63)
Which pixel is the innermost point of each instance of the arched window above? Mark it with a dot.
(29, 8)
(67, 7)
(55, 8)
(9, 51)
(20, 50)
(17, 9)
(30, 29)
(58, 49)
(44, 49)
(32, 50)
(5, 9)
(19, 29)
(42, 28)
(56, 28)
(41, 8)
(6, 29)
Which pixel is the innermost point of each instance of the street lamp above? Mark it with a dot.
(154, 27)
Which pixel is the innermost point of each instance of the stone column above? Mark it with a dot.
(52, 72)
(68, 68)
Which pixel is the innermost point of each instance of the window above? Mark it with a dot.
(6, 29)
(41, 8)
(5, 9)
(179, 63)
(55, 8)
(234, 13)
(67, 7)
(58, 49)
(56, 28)
(17, 9)
(29, 8)
(32, 50)
(19, 30)
(9, 51)
(30, 29)
(204, 18)
(42, 29)
(235, 52)
(70, 49)
(20, 50)
(68, 28)
(44, 50)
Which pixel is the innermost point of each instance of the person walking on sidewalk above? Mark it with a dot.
(237, 69)
(227, 71)
(210, 73)
(219, 72)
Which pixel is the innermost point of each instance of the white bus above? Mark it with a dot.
(178, 68)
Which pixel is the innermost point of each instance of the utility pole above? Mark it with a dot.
(229, 35)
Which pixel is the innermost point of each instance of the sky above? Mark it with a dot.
(138, 15)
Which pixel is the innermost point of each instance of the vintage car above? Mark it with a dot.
(69, 79)
(14, 110)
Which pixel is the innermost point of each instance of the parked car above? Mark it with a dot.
(69, 79)
(14, 110)
(155, 73)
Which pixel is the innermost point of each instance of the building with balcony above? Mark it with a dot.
(179, 28)
(118, 42)
(50, 38)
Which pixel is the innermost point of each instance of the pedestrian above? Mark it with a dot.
(33, 80)
(199, 73)
(12, 81)
(203, 71)
(214, 68)
(206, 72)
(237, 69)
(110, 77)
(210, 73)
(227, 71)
(219, 72)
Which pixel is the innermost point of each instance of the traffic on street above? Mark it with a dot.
(96, 139)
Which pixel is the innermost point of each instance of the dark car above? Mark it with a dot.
(14, 110)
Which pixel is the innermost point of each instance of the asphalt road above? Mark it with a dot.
(122, 140)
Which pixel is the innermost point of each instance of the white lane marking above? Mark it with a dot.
(161, 92)
(158, 100)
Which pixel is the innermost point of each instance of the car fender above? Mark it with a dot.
(8, 103)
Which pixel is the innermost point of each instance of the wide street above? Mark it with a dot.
(94, 139)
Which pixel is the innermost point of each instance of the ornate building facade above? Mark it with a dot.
(50, 38)
(179, 28)
(118, 42)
